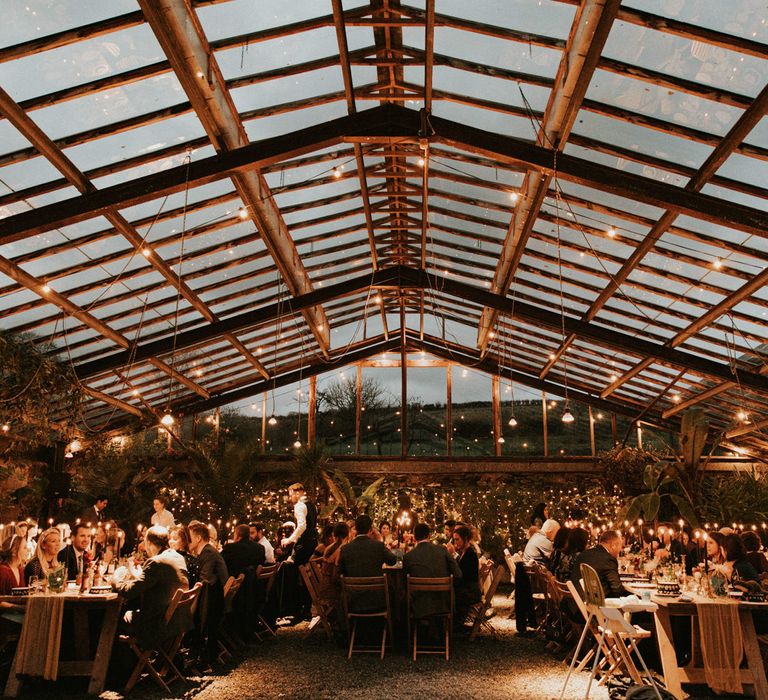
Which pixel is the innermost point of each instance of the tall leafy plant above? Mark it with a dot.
(662, 483)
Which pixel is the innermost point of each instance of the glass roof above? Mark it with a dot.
(455, 207)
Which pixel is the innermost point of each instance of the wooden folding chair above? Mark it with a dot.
(479, 611)
(266, 575)
(362, 585)
(617, 638)
(229, 641)
(442, 586)
(537, 574)
(145, 658)
(484, 574)
(323, 608)
(185, 605)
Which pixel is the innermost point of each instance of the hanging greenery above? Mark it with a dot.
(40, 397)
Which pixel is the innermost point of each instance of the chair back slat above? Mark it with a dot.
(436, 585)
(594, 595)
(232, 586)
(182, 599)
(268, 573)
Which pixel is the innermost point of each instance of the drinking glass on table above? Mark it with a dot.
(34, 585)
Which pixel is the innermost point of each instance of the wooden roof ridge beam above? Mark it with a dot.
(181, 36)
(344, 60)
(589, 32)
(384, 124)
(113, 401)
(66, 167)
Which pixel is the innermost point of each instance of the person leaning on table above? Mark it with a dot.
(162, 575)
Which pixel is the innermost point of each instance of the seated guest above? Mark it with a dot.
(211, 565)
(576, 544)
(161, 577)
(45, 560)
(179, 541)
(242, 553)
(467, 587)
(364, 556)
(329, 584)
(540, 514)
(386, 534)
(213, 574)
(285, 531)
(11, 565)
(429, 560)
(325, 540)
(257, 535)
(539, 547)
(754, 555)
(558, 549)
(161, 516)
(75, 556)
(736, 559)
(604, 560)
(716, 548)
(340, 538)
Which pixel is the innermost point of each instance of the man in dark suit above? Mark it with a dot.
(213, 574)
(429, 560)
(161, 577)
(604, 560)
(95, 513)
(243, 553)
(364, 556)
(75, 555)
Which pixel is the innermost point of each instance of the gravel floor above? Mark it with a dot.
(510, 667)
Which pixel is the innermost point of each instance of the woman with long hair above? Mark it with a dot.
(11, 564)
(179, 541)
(46, 554)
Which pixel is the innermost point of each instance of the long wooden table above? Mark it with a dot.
(85, 663)
(693, 672)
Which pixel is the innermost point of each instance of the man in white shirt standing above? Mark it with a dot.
(161, 516)
(304, 537)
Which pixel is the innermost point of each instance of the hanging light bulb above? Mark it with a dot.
(568, 416)
(272, 420)
(167, 419)
(501, 440)
(512, 422)
(297, 444)
(6, 427)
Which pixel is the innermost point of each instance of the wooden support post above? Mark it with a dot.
(496, 414)
(449, 409)
(217, 426)
(358, 406)
(403, 386)
(639, 437)
(264, 422)
(312, 411)
(544, 421)
(195, 426)
(591, 432)
(614, 433)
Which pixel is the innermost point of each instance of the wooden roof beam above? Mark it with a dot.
(589, 32)
(181, 35)
(66, 167)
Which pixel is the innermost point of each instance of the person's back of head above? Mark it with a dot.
(577, 540)
(341, 531)
(751, 541)
(734, 548)
(549, 528)
(157, 537)
(201, 530)
(242, 532)
(561, 538)
(363, 524)
(421, 532)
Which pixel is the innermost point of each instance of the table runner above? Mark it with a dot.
(721, 645)
(38, 651)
